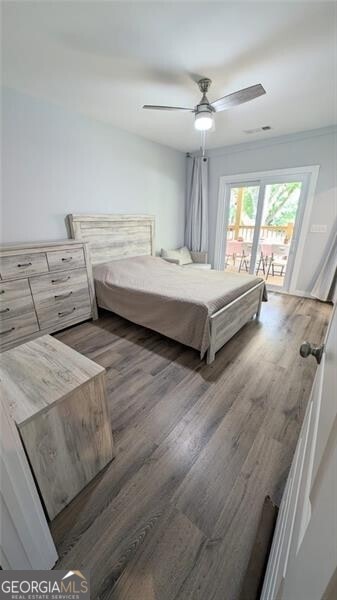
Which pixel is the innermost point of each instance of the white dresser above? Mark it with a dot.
(44, 287)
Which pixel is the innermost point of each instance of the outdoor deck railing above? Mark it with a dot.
(278, 233)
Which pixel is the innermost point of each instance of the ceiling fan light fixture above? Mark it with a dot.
(204, 111)
(204, 121)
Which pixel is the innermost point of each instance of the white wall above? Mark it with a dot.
(57, 162)
(317, 147)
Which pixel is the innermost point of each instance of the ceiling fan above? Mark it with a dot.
(204, 111)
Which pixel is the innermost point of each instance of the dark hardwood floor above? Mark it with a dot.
(174, 516)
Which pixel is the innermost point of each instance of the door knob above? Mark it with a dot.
(317, 351)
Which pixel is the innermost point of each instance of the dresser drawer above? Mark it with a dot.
(14, 328)
(60, 310)
(22, 265)
(65, 259)
(15, 299)
(45, 287)
(60, 297)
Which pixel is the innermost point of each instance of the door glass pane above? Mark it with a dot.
(278, 219)
(241, 225)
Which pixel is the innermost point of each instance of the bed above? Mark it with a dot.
(201, 309)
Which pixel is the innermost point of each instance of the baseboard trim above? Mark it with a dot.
(299, 293)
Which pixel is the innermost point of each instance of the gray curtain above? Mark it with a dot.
(196, 231)
(325, 286)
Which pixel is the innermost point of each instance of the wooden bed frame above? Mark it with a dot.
(111, 237)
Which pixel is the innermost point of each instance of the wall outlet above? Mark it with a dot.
(318, 228)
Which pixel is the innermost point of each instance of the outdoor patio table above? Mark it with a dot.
(233, 247)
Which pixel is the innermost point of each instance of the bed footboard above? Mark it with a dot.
(228, 320)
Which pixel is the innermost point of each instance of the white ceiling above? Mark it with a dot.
(107, 59)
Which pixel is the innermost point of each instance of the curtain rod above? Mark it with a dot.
(189, 155)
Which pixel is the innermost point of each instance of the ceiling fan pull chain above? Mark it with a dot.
(203, 143)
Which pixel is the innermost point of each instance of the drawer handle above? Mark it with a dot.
(60, 280)
(67, 259)
(66, 312)
(29, 264)
(7, 331)
(4, 310)
(60, 296)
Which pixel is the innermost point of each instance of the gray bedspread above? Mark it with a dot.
(175, 301)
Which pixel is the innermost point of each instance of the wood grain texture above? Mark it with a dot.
(61, 310)
(199, 446)
(65, 259)
(39, 373)
(57, 397)
(111, 237)
(51, 289)
(59, 296)
(216, 574)
(21, 265)
(12, 248)
(45, 287)
(69, 444)
(91, 284)
(253, 582)
(15, 328)
(151, 575)
(227, 321)
(15, 299)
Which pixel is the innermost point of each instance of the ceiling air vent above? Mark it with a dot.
(257, 130)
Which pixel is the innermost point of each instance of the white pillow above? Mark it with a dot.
(170, 254)
(183, 255)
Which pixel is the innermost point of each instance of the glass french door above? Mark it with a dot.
(262, 220)
(242, 214)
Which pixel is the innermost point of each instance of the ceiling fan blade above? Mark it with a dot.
(155, 107)
(239, 97)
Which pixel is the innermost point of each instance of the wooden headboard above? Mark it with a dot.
(114, 236)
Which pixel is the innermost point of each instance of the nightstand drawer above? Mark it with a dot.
(15, 328)
(66, 259)
(22, 265)
(15, 299)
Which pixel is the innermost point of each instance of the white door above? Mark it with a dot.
(25, 540)
(303, 560)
